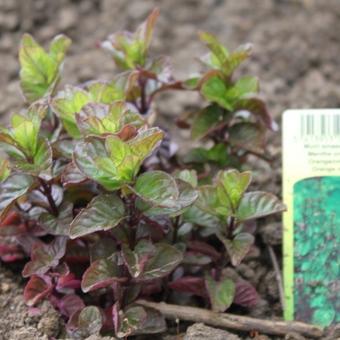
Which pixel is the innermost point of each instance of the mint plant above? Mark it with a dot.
(235, 118)
(97, 226)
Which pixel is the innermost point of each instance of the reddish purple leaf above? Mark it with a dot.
(152, 287)
(101, 273)
(27, 242)
(258, 107)
(77, 252)
(10, 252)
(245, 294)
(68, 281)
(36, 289)
(204, 248)
(70, 304)
(45, 256)
(61, 270)
(12, 230)
(190, 284)
(12, 218)
(85, 322)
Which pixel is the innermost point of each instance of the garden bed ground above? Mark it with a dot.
(297, 48)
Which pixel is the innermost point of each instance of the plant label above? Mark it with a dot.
(311, 191)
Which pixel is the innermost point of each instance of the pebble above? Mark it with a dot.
(199, 331)
(68, 18)
(5, 287)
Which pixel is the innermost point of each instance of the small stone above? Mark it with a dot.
(5, 287)
(27, 333)
(199, 331)
(98, 337)
(67, 18)
(49, 324)
(294, 336)
(9, 21)
(8, 5)
(6, 42)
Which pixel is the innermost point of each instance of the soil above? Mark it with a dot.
(296, 56)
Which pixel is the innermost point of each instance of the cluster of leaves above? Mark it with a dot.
(235, 119)
(97, 226)
(316, 234)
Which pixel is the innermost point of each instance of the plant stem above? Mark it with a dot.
(175, 230)
(48, 193)
(231, 226)
(143, 104)
(277, 274)
(232, 321)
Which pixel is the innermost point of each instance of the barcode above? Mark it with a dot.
(320, 125)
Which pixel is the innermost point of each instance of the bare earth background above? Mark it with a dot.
(296, 56)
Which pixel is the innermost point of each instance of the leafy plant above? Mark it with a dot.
(97, 225)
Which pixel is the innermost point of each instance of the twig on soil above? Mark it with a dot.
(236, 322)
(277, 274)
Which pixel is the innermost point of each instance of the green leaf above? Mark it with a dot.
(26, 150)
(189, 176)
(192, 82)
(231, 186)
(99, 119)
(215, 90)
(40, 71)
(105, 93)
(238, 247)
(244, 86)
(72, 175)
(199, 217)
(235, 59)
(136, 259)
(217, 154)
(13, 188)
(219, 52)
(131, 321)
(154, 323)
(116, 162)
(103, 213)
(87, 157)
(209, 201)
(219, 58)
(100, 274)
(40, 161)
(64, 148)
(89, 322)
(207, 120)
(138, 320)
(5, 170)
(129, 50)
(67, 103)
(248, 136)
(25, 132)
(58, 225)
(145, 30)
(145, 142)
(227, 95)
(258, 204)
(165, 259)
(160, 194)
(221, 293)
